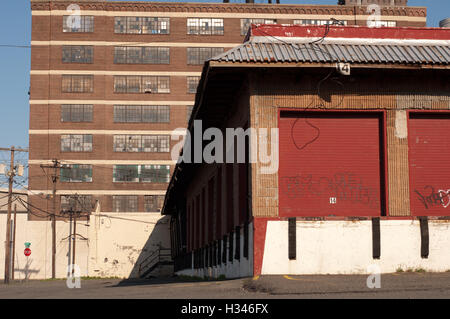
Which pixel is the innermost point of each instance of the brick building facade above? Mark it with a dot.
(107, 88)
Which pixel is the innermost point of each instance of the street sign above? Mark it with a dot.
(27, 252)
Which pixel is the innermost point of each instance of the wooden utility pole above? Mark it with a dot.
(55, 167)
(8, 219)
(14, 242)
(11, 174)
(74, 239)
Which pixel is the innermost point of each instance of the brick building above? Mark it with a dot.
(356, 122)
(108, 87)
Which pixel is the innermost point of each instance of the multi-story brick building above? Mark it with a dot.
(110, 81)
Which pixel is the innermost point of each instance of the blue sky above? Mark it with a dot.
(15, 26)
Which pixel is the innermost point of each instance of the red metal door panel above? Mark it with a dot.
(329, 164)
(429, 154)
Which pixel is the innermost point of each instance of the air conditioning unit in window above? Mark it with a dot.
(148, 87)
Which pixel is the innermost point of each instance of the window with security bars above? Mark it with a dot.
(141, 173)
(141, 113)
(382, 23)
(76, 113)
(200, 55)
(77, 53)
(141, 84)
(76, 173)
(205, 26)
(76, 143)
(125, 203)
(77, 203)
(245, 23)
(192, 83)
(153, 203)
(141, 55)
(319, 22)
(74, 23)
(142, 143)
(77, 83)
(141, 25)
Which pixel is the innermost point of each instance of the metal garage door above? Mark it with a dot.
(429, 156)
(330, 164)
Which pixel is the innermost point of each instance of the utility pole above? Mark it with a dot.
(73, 213)
(11, 174)
(55, 166)
(74, 239)
(14, 242)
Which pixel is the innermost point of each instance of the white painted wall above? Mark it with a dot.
(234, 269)
(345, 247)
(113, 245)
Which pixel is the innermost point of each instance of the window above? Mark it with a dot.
(205, 26)
(141, 55)
(77, 203)
(319, 22)
(381, 23)
(245, 23)
(76, 173)
(192, 83)
(141, 113)
(153, 203)
(200, 55)
(141, 84)
(141, 25)
(141, 143)
(77, 53)
(76, 113)
(125, 203)
(141, 173)
(78, 23)
(126, 173)
(76, 143)
(154, 173)
(77, 83)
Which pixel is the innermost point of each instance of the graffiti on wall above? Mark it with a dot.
(344, 186)
(429, 197)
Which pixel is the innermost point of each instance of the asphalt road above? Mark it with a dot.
(401, 285)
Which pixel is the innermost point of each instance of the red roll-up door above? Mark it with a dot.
(331, 164)
(429, 156)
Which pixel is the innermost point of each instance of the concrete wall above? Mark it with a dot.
(109, 245)
(235, 269)
(345, 247)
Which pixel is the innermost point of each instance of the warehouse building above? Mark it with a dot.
(349, 130)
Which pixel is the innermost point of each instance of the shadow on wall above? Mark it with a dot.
(26, 271)
(156, 251)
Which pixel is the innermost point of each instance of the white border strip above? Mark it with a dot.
(105, 162)
(104, 132)
(96, 192)
(109, 102)
(350, 41)
(220, 15)
(101, 72)
(139, 44)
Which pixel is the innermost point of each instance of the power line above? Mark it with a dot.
(15, 46)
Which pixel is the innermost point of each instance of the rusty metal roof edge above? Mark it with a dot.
(281, 52)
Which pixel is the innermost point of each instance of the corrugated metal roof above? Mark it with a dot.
(284, 52)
